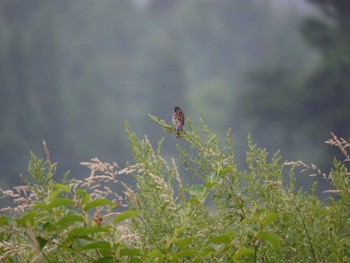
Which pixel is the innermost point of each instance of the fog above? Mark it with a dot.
(73, 71)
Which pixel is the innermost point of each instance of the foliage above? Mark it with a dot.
(233, 215)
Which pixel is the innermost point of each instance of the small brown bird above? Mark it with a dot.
(178, 119)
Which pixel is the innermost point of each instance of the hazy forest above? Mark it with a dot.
(259, 174)
(73, 71)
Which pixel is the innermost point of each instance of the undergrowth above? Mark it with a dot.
(253, 214)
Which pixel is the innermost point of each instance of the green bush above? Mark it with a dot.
(233, 215)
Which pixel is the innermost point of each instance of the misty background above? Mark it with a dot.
(73, 71)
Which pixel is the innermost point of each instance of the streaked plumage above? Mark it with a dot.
(178, 119)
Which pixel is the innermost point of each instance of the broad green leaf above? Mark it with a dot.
(40, 206)
(96, 245)
(126, 215)
(226, 170)
(269, 218)
(210, 184)
(96, 203)
(196, 190)
(107, 259)
(183, 242)
(82, 232)
(61, 202)
(85, 197)
(222, 239)
(184, 254)
(202, 255)
(135, 260)
(154, 254)
(194, 201)
(27, 219)
(6, 220)
(131, 252)
(69, 219)
(242, 252)
(271, 238)
(41, 241)
(62, 187)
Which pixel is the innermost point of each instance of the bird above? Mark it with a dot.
(178, 119)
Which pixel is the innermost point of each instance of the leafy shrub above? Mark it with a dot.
(234, 215)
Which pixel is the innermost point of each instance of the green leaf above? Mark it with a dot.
(242, 252)
(220, 240)
(62, 187)
(183, 242)
(107, 259)
(226, 170)
(210, 184)
(61, 202)
(269, 218)
(126, 215)
(6, 220)
(82, 232)
(154, 254)
(69, 219)
(135, 260)
(97, 245)
(131, 252)
(96, 203)
(196, 190)
(27, 219)
(202, 255)
(271, 238)
(40, 206)
(184, 254)
(85, 197)
(41, 241)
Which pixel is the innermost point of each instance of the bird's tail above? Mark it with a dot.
(179, 128)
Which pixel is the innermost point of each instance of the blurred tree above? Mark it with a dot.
(327, 92)
(99, 47)
(29, 77)
(295, 104)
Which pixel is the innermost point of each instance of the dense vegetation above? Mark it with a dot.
(233, 215)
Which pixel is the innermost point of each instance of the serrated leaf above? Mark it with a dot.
(62, 187)
(242, 252)
(96, 203)
(61, 202)
(69, 219)
(269, 218)
(130, 252)
(97, 245)
(271, 238)
(125, 215)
